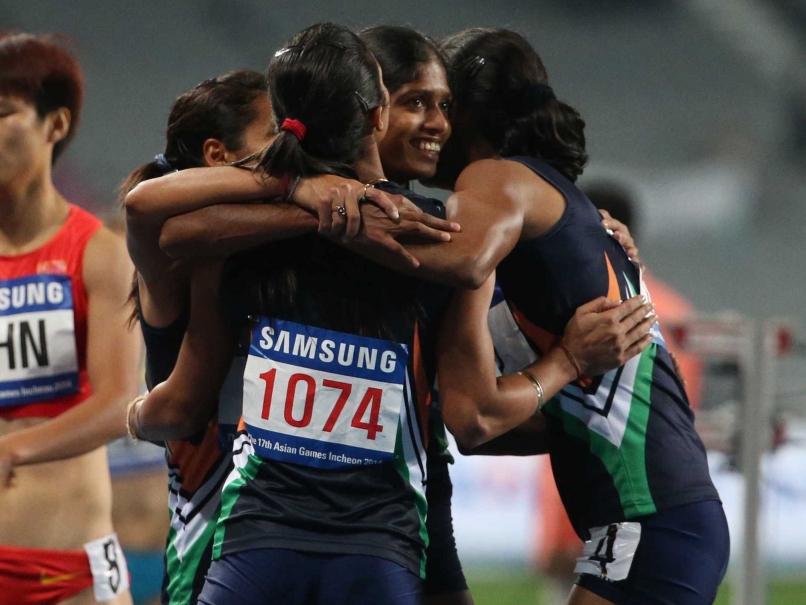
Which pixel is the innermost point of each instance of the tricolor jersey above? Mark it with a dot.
(622, 445)
(197, 468)
(333, 454)
(43, 323)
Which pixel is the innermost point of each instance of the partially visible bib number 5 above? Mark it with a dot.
(322, 398)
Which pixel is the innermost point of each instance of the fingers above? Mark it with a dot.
(421, 230)
(636, 317)
(605, 215)
(399, 251)
(627, 307)
(641, 328)
(384, 202)
(599, 305)
(353, 215)
(343, 215)
(438, 223)
(632, 252)
(637, 347)
(325, 211)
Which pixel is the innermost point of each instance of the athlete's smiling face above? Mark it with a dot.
(418, 125)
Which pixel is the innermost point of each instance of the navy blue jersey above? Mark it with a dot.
(336, 402)
(622, 445)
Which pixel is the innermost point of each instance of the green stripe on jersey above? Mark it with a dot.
(625, 464)
(182, 572)
(420, 502)
(229, 496)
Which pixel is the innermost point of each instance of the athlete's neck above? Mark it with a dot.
(369, 167)
(30, 215)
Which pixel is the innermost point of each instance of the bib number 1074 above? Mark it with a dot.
(306, 385)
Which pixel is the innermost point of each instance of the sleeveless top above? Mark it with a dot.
(622, 445)
(43, 324)
(333, 453)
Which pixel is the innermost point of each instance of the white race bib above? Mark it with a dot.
(322, 398)
(38, 359)
(610, 551)
(110, 575)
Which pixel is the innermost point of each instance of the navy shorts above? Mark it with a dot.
(443, 571)
(680, 559)
(277, 576)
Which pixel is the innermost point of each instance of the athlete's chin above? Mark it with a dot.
(423, 169)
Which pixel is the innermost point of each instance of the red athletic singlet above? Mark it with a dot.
(43, 324)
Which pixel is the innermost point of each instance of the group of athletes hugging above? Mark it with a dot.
(312, 326)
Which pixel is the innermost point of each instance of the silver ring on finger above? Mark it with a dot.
(341, 210)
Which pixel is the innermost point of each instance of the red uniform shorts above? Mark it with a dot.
(34, 576)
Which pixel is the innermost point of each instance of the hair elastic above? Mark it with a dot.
(295, 126)
(163, 164)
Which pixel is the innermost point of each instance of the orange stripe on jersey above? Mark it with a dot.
(613, 290)
(241, 424)
(195, 461)
(544, 339)
(421, 387)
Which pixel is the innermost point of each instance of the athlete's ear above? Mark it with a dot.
(58, 124)
(216, 154)
(380, 120)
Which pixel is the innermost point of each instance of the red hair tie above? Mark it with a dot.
(295, 126)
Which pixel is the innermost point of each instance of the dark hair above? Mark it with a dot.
(219, 108)
(326, 78)
(500, 83)
(616, 199)
(40, 70)
(401, 53)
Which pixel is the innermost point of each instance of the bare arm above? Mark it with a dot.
(478, 407)
(227, 228)
(182, 405)
(156, 200)
(527, 439)
(490, 203)
(153, 202)
(113, 363)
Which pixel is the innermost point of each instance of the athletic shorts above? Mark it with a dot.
(443, 571)
(678, 556)
(35, 576)
(279, 576)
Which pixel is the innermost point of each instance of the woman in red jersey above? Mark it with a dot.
(68, 362)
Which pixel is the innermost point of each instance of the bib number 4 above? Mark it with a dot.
(610, 551)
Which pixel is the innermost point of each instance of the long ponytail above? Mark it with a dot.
(326, 79)
(324, 84)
